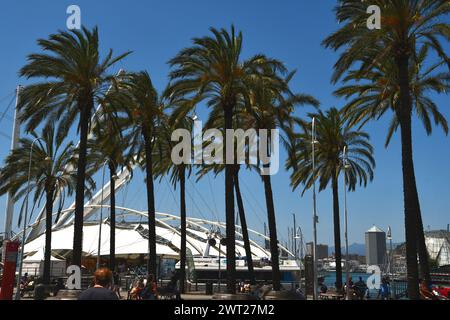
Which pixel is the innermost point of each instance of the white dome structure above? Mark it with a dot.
(131, 237)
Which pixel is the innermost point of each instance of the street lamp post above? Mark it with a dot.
(315, 218)
(101, 216)
(347, 271)
(17, 297)
(390, 257)
(294, 236)
(299, 235)
(220, 274)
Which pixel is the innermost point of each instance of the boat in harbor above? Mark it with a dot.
(203, 269)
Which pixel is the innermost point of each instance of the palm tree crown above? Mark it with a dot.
(332, 134)
(51, 173)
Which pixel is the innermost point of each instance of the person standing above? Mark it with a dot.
(385, 290)
(150, 290)
(361, 289)
(116, 284)
(100, 291)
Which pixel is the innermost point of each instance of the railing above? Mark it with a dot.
(37, 272)
(200, 285)
(399, 289)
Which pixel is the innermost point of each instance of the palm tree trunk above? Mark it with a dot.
(424, 263)
(85, 115)
(411, 202)
(276, 276)
(229, 211)
(48, 235)
(245, 236)
(183, 229)
(337, 232)
(151, 262)
(112, 222)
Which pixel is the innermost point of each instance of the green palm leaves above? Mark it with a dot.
(332, 134)
(372, 94)
(51, 173)
(405, 24)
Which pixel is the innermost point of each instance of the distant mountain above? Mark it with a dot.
(354, 248)
(357, 248)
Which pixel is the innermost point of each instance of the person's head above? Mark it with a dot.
(103, 277)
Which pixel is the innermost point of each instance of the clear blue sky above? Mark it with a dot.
(291, 31)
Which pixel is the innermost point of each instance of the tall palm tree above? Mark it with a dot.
(271, 106)
(375, 97)
(405, 25)
(213, 70)
(72, 80)
(49, 177)
(146, 125)
(333, 134)
(216, 120)
(177, 173)
(108, 147)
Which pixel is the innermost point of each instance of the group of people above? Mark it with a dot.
(105, 287)
(147, 289)
(102, 287)
(26, 284)
(144, 289)
(359, 290)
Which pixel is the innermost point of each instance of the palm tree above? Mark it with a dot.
(51, 174)
(73, 80)
(178, 173)
(405, 25)
(108, 147)
(374, 98)
(213, 70)
(270, 107)
(146, 125)
(333, 134)
(216, 120)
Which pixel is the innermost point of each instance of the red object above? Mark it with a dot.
(443, 291)
(10, 251)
